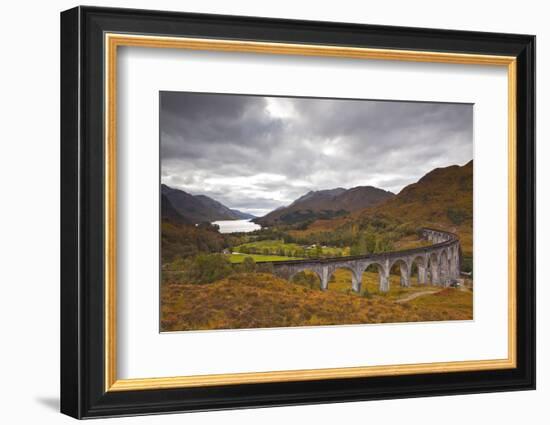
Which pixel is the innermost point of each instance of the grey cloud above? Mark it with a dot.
(258, 153)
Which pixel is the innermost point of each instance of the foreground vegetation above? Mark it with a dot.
(261, 300)
(249, 296)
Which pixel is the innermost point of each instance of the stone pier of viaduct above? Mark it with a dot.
(436, 264)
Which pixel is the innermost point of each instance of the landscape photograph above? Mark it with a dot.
(300, 211)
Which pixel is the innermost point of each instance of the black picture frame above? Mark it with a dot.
(83, 392)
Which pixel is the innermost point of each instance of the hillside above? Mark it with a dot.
(317, 199)
(358, 198)
(169, 213)
(441, 199)
(450, 187)
(180, 238)
(259, 300)
(200, 208)
(326, 204)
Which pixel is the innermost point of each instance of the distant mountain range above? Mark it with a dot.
(326, 204)
(443, 197)
(181, 206)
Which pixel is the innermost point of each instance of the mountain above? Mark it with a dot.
(242, 215)
(222, 210)
(317, 198)
(199, 208)
(441, 199)
(360, 197)
(326, 204)
(169, 213)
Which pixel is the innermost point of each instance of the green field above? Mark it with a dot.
(282, 249)
(239, 258)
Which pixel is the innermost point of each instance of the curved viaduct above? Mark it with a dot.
(438, 264)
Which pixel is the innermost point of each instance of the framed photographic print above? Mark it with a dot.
(261, 212)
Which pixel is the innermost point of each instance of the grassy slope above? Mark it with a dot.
(432, 200)
(263, 300)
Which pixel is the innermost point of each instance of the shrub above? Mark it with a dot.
(207, 268)
(308, 280)
(264, 268)
(366, 294)
(248, 265)
(205, 225)
(177, 265)
(405, 230)
(458, 215)
(172, 277)
(467, 264)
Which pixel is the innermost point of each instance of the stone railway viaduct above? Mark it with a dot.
(438, 264)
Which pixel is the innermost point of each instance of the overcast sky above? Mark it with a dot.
(257, 153)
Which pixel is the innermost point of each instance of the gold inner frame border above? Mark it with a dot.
(112, 41)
